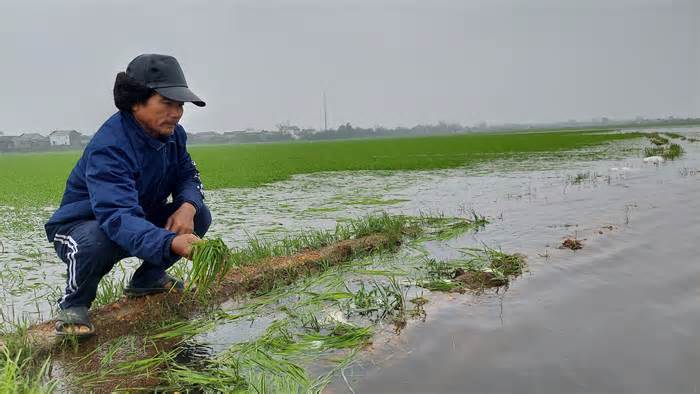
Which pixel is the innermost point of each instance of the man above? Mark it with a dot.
(115, 202)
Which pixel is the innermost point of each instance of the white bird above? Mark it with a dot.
(654, 159)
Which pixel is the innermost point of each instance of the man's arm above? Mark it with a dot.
(114, 200)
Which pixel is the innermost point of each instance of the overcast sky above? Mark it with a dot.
(382, 62)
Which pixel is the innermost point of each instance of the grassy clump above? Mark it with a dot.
(390, 226)
(480, 269)
(272, 362)
(22, 369)
(42, 176)
(673, 135)
(443, 228)
(657, 139)
(312, 322)
(378, 302)
(210, 263)
(653, 151)
(212, 259)
(674, 151)
(580, 177)
(670, 152)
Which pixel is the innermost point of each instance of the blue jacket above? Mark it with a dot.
(123, 177)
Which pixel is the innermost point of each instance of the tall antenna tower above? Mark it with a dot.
(325, 112)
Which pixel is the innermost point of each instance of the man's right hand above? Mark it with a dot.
(182, 244)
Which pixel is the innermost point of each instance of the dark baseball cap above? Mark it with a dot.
(163, 74)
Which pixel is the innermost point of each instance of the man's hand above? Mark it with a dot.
(182, 221)
(182, 244)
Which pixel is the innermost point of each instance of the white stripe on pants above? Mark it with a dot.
(73, 246)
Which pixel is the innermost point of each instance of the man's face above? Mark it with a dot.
(158, 115)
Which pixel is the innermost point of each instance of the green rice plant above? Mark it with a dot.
(673, 135)
(446, 285)
(506, 264)
(110, 288)
(670, 152)
(657, 139)
(185, 330)
(363, 301)
(210, 263)
(22, 368)
(442, 228)
(673, 152)
(393, 227)
(580, 178)
(342, 336)
(502, 263)
(18, 374)
(212, 379)
(146, 366)
(654, 151)
(379, 301)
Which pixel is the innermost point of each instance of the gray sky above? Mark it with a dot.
(390, 62)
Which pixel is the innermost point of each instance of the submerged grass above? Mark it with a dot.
(320, 319)
(443, 228)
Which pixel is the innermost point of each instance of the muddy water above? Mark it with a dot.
(620, 315)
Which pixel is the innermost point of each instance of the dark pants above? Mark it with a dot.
(90, 255)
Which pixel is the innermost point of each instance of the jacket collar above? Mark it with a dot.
(141, 134)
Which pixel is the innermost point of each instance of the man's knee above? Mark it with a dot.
(88, 240)
(202, 221)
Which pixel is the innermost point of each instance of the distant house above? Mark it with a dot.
(6, 144)
(64, 138)
(207, 137)
(85, 139)
(30, 141)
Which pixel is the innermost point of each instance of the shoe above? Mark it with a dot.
(72, 320)
(167, 284)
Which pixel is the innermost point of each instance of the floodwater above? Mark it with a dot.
(617, 316)
(620, 315)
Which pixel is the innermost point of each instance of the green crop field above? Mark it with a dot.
(38, 179)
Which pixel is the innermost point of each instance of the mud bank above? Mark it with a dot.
(130, 315)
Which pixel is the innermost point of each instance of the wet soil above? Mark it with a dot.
(572, 243)
(479, 280)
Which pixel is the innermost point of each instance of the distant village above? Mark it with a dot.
(58, 140)
(32, 142)
(71, 139)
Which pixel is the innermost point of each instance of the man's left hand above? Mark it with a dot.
(182, 221)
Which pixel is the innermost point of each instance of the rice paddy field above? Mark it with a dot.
(530, 262)
(29, 180)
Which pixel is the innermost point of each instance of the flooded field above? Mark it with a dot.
(616, 315)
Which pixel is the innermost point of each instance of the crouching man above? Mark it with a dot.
(115, 202)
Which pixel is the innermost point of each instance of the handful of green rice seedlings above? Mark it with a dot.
(210, 263)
